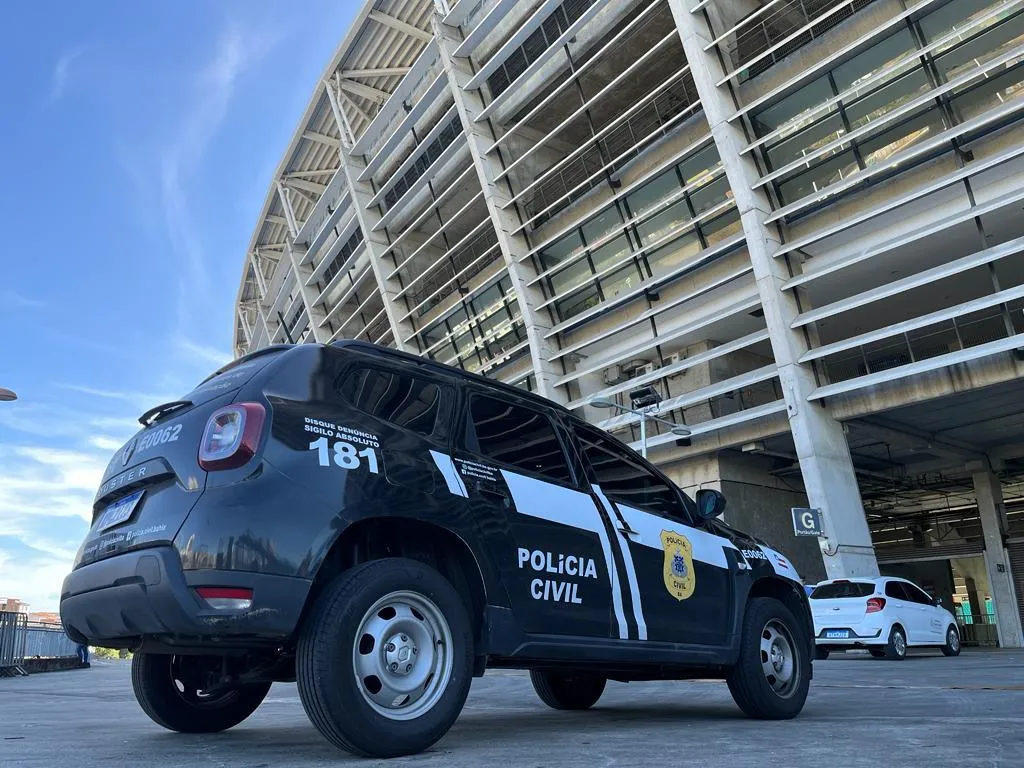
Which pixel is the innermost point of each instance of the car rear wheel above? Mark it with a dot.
(771, 677)
(952, 646)
(567, 690)
(385, 659)
(878, 653)
(178, 693)
(896, 649)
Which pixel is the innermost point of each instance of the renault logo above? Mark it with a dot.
(126, 454)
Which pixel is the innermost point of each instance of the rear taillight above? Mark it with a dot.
(232, 436)
(226, 598)
(875, 604)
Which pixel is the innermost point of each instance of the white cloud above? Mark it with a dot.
(202, 354)
(61, 73)
(12, 300)
(106, 443)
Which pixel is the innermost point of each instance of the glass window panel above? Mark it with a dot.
(883, 147)
(990, 94)
(699, 166)
(620, 281)
(954, 15)
(887, 98)
(722, 227)
(520, 437)
(879, 57)
(610, 253)
(605, 222)
(578, 302)
(808, 97)
(663, 223)
(653, 192)
(807, 182)
(561, 249)
(990, 44)
(570, 277)
(806, 141)
(710, 195)
(671, 256)
(402, 400)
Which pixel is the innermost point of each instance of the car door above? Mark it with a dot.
(680, 584)
(934, 619)
(549, 539)
(905, 611)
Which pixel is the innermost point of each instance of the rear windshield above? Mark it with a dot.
(840, 589)
(237, 372)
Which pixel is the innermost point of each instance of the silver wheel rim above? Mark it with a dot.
(403, 656)
(899, 642)
(778, 658)
(953, 639)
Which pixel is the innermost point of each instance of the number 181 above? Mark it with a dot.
(345, 455)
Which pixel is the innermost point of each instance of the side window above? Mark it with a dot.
(405, 401)
(917, 595)
(625, 481)
(894, 589)
(518, 436)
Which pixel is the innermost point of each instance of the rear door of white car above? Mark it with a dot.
(906, 612)
(934, 618)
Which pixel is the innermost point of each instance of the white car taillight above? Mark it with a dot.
(232, 436)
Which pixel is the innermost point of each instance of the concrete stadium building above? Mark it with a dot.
(799, 221)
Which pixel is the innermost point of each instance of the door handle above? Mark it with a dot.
(625, 530)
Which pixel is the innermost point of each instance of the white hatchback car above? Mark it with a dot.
(883, 615)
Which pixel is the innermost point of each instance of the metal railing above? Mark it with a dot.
(20, 640)
(978, 629)
(12, 640)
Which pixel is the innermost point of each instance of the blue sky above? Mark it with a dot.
(137, 142)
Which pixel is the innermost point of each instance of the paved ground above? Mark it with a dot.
(926, 711)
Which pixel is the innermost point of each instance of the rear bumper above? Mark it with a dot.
(856, 637)
(145, 595)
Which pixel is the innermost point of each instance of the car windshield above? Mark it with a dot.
(838, 589)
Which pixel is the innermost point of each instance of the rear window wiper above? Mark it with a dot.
(153, 415)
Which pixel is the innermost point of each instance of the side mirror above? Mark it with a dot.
(710, 503)
(937, 601)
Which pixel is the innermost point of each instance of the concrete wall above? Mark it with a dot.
(760, 503)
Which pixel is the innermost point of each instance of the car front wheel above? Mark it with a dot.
(771, 677)
(179, 693)
(385, 659)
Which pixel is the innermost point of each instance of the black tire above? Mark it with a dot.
(820, 654)
(878, 653)
(952, 645)
(896, 648)
(568, 690)
(182, 708)
(331, 643)
(750, 684)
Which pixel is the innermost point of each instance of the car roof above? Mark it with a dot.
(449, 370)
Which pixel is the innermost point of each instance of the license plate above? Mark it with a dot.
(837, 634)
(118, 512)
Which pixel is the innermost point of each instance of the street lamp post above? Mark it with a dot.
(6, 395)
(648, 401)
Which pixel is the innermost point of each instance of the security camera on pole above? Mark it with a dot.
(645, 401)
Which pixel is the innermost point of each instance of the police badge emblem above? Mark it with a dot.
(680, 580)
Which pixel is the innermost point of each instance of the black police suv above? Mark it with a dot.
(381, 529)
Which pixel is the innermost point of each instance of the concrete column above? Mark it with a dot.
(308, 295)
(821, 445)
(993, 527)
(376, 244)
(480, 136)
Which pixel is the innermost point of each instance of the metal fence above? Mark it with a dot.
(20, 640)
(12, 639)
